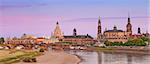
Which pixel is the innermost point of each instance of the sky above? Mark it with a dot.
(39, 17)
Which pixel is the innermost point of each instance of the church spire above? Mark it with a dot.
(99, 26)
(129, 26)
(99, 32)
(57, 23)
(128, 17)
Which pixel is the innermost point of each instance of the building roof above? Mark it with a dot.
(28, 36)
(114, 31)
(79, 36)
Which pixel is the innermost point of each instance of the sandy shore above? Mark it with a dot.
(3, 53)
(55, 57)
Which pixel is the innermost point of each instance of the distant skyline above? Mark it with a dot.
(39, 17)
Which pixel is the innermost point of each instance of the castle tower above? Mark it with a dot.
(129, 27)
(74, 32)
(139, 30)
(57, 32)
(99, 32)
(115, 28)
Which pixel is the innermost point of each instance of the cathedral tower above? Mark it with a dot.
(74, 32)
(99, 32)
(129, 27)
(139, 30)
(115, 28)
(57, 32)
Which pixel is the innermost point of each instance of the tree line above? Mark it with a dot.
(143, 41)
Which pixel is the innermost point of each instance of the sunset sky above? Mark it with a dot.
(39, 17)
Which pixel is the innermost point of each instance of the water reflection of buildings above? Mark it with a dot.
(122, 58)
(111, 57)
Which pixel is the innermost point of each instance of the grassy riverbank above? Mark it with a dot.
(12, 56)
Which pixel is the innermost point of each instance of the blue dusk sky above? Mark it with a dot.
(39, 17)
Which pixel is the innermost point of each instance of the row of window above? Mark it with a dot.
(116, 38)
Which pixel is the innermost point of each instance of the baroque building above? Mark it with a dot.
(79, 39)
(74, 38)
(115, 35)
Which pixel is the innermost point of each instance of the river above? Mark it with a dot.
(111, 57)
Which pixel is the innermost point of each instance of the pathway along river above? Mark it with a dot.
(111, 57)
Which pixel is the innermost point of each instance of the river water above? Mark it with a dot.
(111, 57)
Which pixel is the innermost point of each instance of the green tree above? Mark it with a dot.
(2, 40)
(145, 38)
(107, 43)
(135, 42)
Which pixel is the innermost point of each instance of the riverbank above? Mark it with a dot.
(13, 56)
(62, 57)
(55, 57)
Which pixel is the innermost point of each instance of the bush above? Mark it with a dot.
(107, 43)
(41, 50)
(34, 59)
(2, 40)
(131, 42)
(29, 59)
